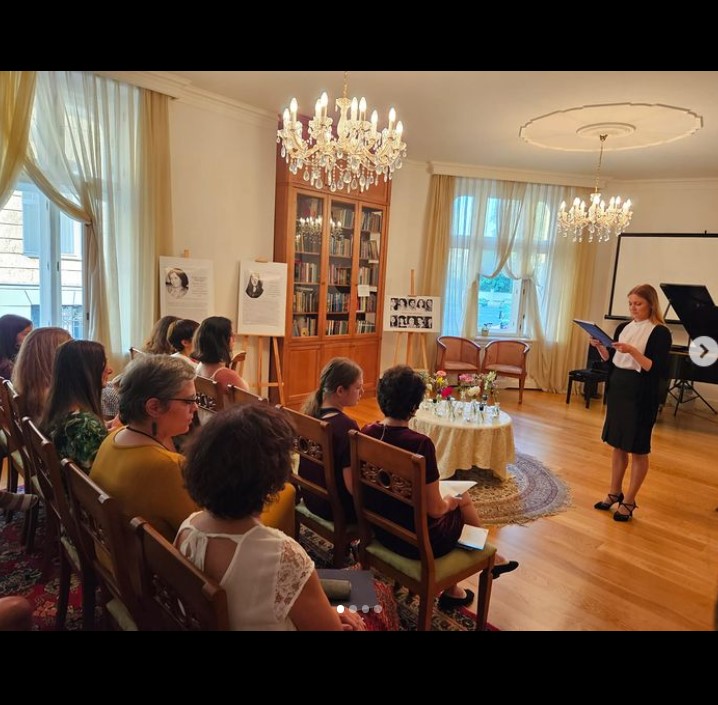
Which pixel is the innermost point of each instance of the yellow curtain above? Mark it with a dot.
(155, 201)
(438, 240)
(17, 92)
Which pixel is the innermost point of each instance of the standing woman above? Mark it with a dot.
(32, 374)
(13, 330)
(341, 384)
(639, 360)
(213, 349)
(73, 415)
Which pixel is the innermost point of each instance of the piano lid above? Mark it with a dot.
(694, 307)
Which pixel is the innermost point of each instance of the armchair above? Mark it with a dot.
(508, 359)
(457, 355)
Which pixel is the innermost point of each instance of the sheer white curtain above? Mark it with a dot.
(84, 155)
(510, 227)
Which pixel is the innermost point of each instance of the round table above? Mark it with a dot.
(487, 442)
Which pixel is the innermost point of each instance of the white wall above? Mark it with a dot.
(409, 193)
(223, 183)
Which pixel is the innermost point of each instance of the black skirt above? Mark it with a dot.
(629, 421)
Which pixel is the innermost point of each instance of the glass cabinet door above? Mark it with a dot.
(372, 220)
(339, 272)
(307, 266)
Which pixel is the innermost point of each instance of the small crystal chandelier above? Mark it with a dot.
(353, 158)
(600, 221)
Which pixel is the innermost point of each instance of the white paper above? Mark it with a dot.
(473, 537)
(453, 488)
(364, 289)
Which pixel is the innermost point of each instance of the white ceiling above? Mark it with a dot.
(474, 117)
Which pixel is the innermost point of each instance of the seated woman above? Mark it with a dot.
(73, 415)
(32, 374)
(213, 349)
(13, 330)
(179, 336)
(157, 343)
(340, 385)
(235, 464)
(138, 463)
(399, 393)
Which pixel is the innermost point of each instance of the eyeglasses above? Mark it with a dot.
(187, 400)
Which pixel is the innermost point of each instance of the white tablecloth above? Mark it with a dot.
(488, 443)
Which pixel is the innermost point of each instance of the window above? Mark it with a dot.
(501, 308)
(41, 262)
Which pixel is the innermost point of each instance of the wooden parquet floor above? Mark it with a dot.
(580, 570)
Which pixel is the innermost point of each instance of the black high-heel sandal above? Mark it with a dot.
(624, 517)
(605, 506)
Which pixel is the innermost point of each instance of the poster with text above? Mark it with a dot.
(186, 287)
(262, 300)
(414, 314)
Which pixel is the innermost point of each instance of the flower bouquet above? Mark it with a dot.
(437, 385)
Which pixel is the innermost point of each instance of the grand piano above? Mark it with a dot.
(698, 314)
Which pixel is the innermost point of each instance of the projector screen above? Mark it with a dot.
(662, 259)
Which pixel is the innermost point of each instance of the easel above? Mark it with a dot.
(258, 384)
(410, 339)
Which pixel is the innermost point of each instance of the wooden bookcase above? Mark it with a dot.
(335, 246)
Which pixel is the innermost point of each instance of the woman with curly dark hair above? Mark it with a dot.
(236, 463)
(399, 393)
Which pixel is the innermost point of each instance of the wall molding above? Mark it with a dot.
(502, 174)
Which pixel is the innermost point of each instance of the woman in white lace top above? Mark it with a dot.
(235, 464)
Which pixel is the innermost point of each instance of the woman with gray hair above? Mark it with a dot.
(138, 463)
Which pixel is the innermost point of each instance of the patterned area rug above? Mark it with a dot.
(530, 491)
(399, 608)
(21, 574)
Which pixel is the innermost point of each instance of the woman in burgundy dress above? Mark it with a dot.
(399, 394)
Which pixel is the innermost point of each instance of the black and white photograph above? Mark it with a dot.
(186, 287)
(412, 314)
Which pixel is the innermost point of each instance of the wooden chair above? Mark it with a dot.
(401, 475)
(135, 352)
(175, 595)
(595, 372)
(313, 444)
(18, 461)
(210, 395)
(237, 395)
(60, 526)
(508, 359)
(237, 362)
(104, 535)
(457, 355)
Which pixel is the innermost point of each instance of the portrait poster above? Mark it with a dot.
(262, 300)
(186, 287)
(415, 314)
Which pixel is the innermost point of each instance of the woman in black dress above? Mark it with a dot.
(639, 361)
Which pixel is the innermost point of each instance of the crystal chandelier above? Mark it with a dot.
(354, 157)
(599, 220)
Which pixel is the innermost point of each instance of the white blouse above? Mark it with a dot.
(636, 333)
(264, 578)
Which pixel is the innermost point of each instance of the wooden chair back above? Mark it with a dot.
(457, 355)
(379, 467)
(210, 395)
(61, 530)
(237, 395)
(508, 359)
(313, 444)
(11, 413)
(104, 536)
(175, 595)
(237, 362)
